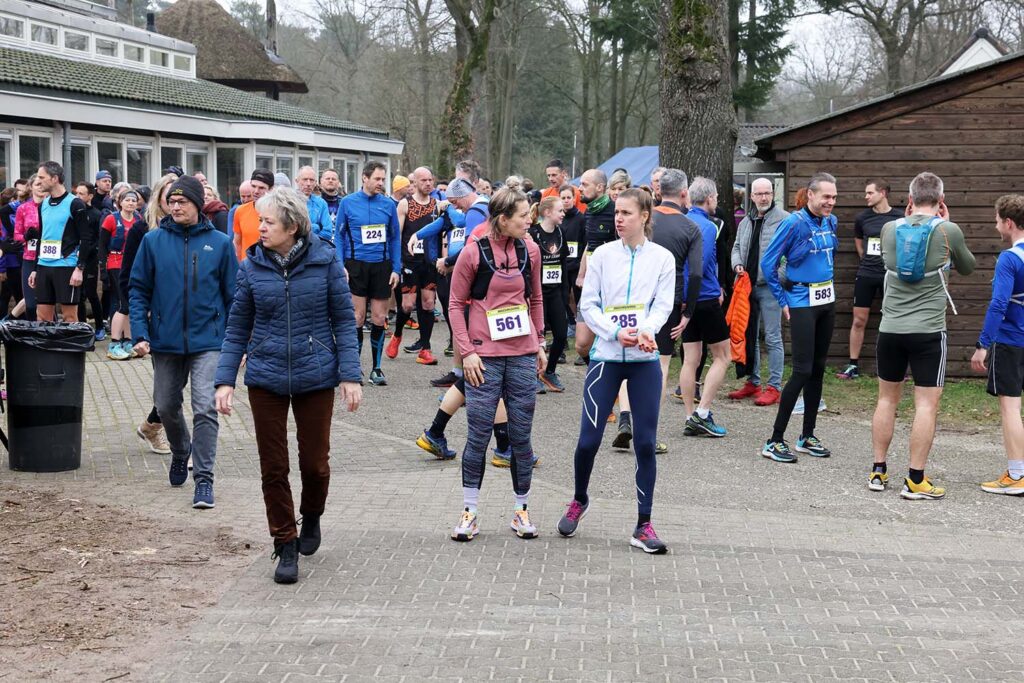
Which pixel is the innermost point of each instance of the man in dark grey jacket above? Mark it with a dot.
(754, 233)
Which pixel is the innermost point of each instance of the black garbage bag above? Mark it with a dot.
(73, 337)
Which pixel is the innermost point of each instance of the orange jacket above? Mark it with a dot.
(738, 316)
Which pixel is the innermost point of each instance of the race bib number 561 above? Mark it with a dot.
(508, 322)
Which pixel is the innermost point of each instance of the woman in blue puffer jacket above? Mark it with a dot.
(292, 317)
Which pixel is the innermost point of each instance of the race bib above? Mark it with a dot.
(821, 293)
(373, 234)
(418, 247)
(551, 274)
(574, 249)
(457, 235)
(627, 315)
(508, 322)
(32, 245)
(874, 246)
(50, 249)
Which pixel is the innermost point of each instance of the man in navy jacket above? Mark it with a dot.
(182, 284)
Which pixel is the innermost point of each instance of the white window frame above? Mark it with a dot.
(53, 47)
(117, 56)
(26, 30)
(71, 51)
(28, 132)
(145, 55)
(97, 139)
(144, 145)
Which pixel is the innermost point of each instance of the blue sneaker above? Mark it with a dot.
(100, 334)
(504, 458)
(778, 451)
(177, 474)
(436, 446)
(695, 424)
(811, 446)
(203, 500)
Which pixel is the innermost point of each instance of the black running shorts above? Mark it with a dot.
(369, 280)
(707, 324)
(925, 353)
(1005, 370)
(53, 286)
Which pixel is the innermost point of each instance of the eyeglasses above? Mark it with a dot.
(177, 202)
(764, 194)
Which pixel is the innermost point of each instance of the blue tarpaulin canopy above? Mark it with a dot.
(638, 162)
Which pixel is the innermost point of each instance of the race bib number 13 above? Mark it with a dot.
(508, 322)
(821, 293)
(373, 234)
(874, 246)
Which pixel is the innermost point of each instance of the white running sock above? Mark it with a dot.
(703, 413)
(470, 498)
(1016, 468)
(522, 500)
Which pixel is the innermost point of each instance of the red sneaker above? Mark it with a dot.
(392, 349)
(411, 324)
(425, 357)
(769, 396)
(746, 391)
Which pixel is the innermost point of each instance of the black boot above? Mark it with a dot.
(309, 536)
(287, 555)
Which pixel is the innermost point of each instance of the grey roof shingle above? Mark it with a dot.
(96, 81)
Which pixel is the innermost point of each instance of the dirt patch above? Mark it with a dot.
(84, 585)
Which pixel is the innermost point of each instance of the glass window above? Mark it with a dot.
(44, 34)
(284, 165)
(158, 58)
(106, 48)
(197, 161)
(230, 167)
(169, 156)
(80, 164)
(12, 27)
(182, 63)
(109, 154)
(264, 160)
(134, 53)
(5, 162)
(139, 163)
(76, 41)
(305, 160)
(33, 150)
(352, 176)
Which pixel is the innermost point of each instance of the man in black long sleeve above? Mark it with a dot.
(65, 245)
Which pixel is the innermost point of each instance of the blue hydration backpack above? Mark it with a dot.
(912, 248)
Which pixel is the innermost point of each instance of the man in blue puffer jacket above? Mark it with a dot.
(181, 287)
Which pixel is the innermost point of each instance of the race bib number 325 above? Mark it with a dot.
(821, 293)
(508, 322)
(552, 274)
(373, 234)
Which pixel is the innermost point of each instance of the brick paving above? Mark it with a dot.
(774, 574)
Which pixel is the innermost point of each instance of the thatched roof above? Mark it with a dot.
(226, 52)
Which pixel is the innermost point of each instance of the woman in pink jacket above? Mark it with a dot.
(26, 231)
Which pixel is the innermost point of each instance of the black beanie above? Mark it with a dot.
(189, 188)
(264, 176)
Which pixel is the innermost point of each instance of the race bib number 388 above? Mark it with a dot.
(49, 249)
(373, 234)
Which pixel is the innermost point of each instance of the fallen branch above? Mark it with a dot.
(41, 571)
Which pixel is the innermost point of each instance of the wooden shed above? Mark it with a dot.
(965, 127)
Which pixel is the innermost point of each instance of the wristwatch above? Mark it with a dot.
(978, 345)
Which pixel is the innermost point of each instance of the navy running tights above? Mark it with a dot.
(513, 378)
(599, 392)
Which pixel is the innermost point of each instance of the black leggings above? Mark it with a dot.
(810, 330)
(89, 295)
(444, 288)
(556, 323)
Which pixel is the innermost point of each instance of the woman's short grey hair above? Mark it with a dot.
(620, 178)
(926, 189)
(673, 182)
(701, 189)
(514, 182)
(290, 208)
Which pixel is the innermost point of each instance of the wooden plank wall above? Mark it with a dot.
(974, 143)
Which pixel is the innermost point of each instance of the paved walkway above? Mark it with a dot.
(775, 573)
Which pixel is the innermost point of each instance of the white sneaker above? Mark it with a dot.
(467, 527)
(522, 526)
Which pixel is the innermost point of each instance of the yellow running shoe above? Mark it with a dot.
(922, 491)
(878, 481)
(1006, 485)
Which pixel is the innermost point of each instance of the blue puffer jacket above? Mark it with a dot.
(296, 325)
(181, 286)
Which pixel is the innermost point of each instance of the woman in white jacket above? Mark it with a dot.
(627, 297)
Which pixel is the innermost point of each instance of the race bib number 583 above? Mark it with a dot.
(821, 293)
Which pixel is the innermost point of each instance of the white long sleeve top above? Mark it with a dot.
(627, 288)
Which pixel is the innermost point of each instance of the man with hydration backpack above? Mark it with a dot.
(917, 251)
(1000, 348)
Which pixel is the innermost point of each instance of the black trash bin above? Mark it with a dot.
(45, 390)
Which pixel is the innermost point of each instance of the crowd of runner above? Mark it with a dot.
(290, 282)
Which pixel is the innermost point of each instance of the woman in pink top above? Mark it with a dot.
(26, 231)
(497, 318)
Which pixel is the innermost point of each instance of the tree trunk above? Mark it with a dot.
(613, 114)
(698, 121)
(624, 109)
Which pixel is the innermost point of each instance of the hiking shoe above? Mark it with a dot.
(645, 538)
(1006, 485)
(391, 350)
(778, 451)
(570, 521)
(811, 446)
(425, 357)
(922, 491)
(541, 388)
(706, 426)
(153, 435)
(436, 446)
(177, 473)
(101, 334)
(851, 372)
(415, 347)
(878, 481)
(309, 536)
(522, 526)
(377, 378)
(624, 436)
(769, 397)
(660, 448)
(467, 527)
(411, 324)
(449, 351)
(552, 381)
(444, 381)
(581, 361)
(287, 556)
(203, 499)
(746, 391)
